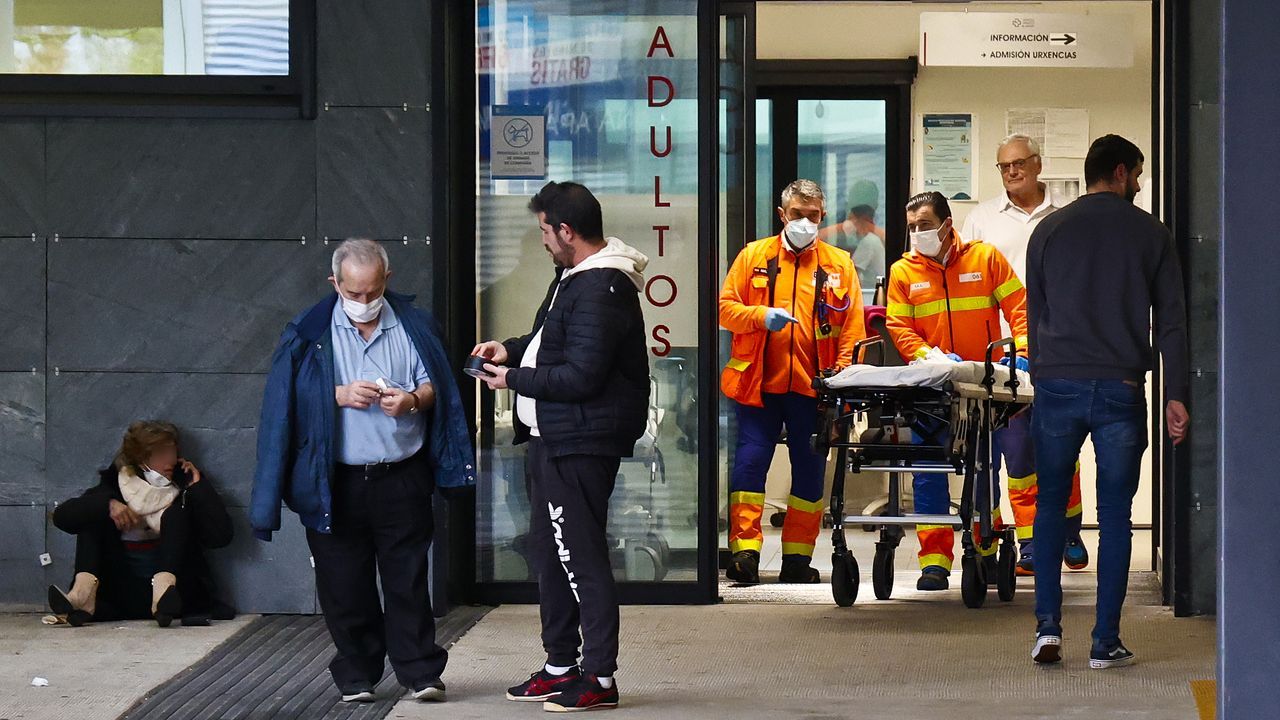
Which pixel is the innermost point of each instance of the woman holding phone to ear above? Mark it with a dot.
(139, 536)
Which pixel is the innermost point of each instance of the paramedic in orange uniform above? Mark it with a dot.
(949, 294)
(794, 307)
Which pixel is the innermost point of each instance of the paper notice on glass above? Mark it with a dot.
(1026, 121)
(948, 154)
(1066, 132)
(518, 143)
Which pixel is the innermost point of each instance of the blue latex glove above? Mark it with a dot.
(1022, 363)
(776, 318)
(953, 357)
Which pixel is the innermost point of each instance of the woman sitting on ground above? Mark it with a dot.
(140, 535)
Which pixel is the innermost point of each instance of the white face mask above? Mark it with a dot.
(154, 478)
(361, 312)
(927, 242)
(801, 233)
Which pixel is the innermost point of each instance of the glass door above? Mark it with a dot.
(605, 94)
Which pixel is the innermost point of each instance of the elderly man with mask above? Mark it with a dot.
(361, 421)
(1006, 223)
(794, 307)
(949, 294)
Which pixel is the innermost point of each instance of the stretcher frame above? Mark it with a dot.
(968, 414)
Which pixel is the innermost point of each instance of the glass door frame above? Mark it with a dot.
(453, 203)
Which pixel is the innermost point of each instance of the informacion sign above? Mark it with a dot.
(518, 143)
(978, 39)
(947, 142)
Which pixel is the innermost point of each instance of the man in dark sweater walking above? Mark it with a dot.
(581, 379)
(1096, 271)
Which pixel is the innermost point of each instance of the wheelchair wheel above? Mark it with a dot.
(1007, 579)
(882, 571)
(844, 579)
(973, 582)
(778, 518)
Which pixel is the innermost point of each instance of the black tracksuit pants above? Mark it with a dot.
(382, 528)
(569, 506)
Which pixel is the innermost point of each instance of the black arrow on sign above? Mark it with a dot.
(1064, 38)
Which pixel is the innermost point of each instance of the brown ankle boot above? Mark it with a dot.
(166, 603)
(79, 603)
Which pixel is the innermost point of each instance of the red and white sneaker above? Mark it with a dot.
(585, 693)
(542, 685)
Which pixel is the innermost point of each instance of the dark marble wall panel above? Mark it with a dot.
(373, 52)
(22, 434)
(22, 199)
(206, 178)
(216, 413)
(22, 577)
(266, 577)
(191, 305)
(22, 297)
(373, 173)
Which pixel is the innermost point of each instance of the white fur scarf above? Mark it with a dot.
(145, 499)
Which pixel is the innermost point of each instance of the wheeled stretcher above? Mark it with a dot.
(865, 413)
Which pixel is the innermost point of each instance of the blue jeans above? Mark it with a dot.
(1114, 413)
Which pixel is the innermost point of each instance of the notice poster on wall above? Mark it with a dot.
(518, 143)
(947, 144)
(1061, 132)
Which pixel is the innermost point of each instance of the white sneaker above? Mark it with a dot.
(362, 696)
(1048, 649)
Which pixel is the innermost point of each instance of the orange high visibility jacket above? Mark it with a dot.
(819, 287)
(956, 308)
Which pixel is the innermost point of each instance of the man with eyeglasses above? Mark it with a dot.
(1006, 222)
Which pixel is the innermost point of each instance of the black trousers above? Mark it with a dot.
(569, 507)
(122, 594)
(382, 527)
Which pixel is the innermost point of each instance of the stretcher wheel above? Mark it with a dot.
(973, 582)
(882, 571)
(844, 579)
(778, 518)
(1007, 579)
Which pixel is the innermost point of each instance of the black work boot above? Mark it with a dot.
(744, 567)
(797, 570)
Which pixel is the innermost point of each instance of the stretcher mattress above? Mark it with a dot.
(963, 378)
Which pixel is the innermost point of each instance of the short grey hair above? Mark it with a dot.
(362, 252)
(805, 190)
(1031, 143)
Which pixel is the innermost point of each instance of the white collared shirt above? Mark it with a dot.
(1002, 224)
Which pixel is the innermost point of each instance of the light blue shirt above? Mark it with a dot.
(370, 435)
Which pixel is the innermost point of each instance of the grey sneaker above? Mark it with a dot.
(432, 691)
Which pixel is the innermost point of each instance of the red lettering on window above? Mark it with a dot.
(662, 239)
(657, 193)
(665, 349)
(660, 41)
(653, 142)
(671, 286)
(671, 91)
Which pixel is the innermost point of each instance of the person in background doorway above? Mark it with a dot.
(1099, 272)
(1006, 223)
(794, 307)
(581, 379)
(361, 422)
(140, 534)
(859, 234)
(948, 294)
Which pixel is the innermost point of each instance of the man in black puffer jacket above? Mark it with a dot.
(581, 379)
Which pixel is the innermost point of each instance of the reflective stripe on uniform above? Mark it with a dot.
(898, 309)
(795, 548)
(1026, 533)
(739, 365)
(1022, 483)
(809, 506)
(740, 544)
(937, 559)
(746, 498)
(926, 528)
(1007, 288)
(937, 307)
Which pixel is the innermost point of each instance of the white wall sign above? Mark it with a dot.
(518, 143)
(977, 39)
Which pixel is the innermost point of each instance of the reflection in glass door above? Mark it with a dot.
(615, 96)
